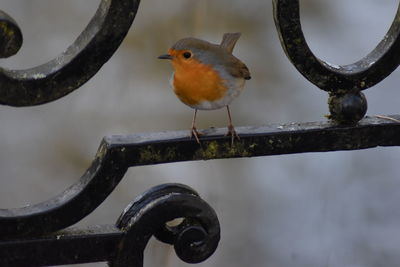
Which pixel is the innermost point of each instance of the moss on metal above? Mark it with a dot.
(10, 36)
(155, 154)
(224, 149)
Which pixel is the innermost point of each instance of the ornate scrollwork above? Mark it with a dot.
(195, 238)
(347, 103)
(73, 67)
(195, 234)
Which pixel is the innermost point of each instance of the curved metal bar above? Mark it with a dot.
(117, 153)
(75, 66)
(195, 238)
(372, 69)
(68, 207)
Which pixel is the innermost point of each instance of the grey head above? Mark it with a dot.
(219, 55)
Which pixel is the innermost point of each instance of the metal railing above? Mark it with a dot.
(37, 235)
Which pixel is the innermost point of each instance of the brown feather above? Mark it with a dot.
(237, 68)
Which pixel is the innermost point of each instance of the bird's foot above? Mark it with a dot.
(231, 132)
(195, 133)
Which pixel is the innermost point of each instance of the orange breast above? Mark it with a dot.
(195, 82)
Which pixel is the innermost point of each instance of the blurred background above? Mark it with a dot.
(316, 209)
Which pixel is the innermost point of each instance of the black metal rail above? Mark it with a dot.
(37, 235)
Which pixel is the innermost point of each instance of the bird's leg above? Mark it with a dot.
(193, 130)
(231, 129)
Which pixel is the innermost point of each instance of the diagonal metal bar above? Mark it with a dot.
(73, 67)
(117, 153)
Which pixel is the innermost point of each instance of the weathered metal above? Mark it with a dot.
(124, 244)
(73, 67)
(344, 83)
(34, 235)
(194, 239)
(24, 232)
(94, 244)
(10, 36)
(117, 153)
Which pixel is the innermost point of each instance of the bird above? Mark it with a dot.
(207, 76)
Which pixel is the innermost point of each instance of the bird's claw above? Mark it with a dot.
(231, 132)
(195, 133)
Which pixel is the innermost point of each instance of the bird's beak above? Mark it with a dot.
(166, 56)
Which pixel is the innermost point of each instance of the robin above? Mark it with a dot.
(207, 76)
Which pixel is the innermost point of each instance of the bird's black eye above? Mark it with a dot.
(187, 55)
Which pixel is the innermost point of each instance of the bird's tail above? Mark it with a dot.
(229, 40)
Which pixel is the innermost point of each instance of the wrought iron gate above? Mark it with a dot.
(37, 235)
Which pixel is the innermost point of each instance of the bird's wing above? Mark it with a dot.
(237, 68)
